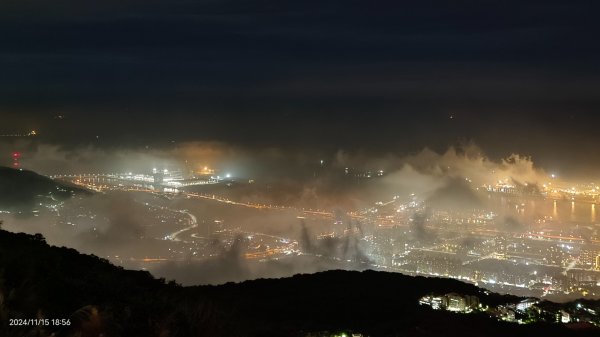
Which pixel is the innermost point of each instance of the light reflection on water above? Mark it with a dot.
(561, 210)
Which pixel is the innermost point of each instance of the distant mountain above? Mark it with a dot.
(39, 281)
(22, 190)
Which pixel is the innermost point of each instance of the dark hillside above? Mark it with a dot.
(39, 281)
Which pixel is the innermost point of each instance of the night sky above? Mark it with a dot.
(512, 76)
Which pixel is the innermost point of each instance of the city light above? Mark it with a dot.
(300, 168)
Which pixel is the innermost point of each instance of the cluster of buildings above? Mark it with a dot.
(174, 178)
(159, 179)
(502, 253)
(555, 189)
(452, 302)
(529, 310)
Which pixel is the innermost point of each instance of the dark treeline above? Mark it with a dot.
(40, 281)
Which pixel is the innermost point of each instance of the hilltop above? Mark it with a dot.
(22, 190)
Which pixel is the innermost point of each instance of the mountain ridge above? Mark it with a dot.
(22, 190)
(38, 280)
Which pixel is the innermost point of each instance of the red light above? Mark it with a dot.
(16, 155)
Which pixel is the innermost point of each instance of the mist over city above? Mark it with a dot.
(314, 168)
(212, 212)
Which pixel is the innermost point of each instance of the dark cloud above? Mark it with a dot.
(318, 255)
(345, 248)
(456, 194)
(510, 223)
(154, 71)
(124, 224)
(228, 266)
(418, 229)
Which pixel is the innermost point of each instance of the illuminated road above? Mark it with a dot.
(279, 247)
(87, 183)
(381, 221)
(533, 236)
(193, 224)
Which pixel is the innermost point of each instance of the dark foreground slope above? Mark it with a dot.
(39, 281)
